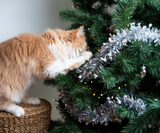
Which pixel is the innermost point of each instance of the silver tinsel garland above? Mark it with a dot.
(105, 112)
(131, 103)
(108, 51)
(102, 114)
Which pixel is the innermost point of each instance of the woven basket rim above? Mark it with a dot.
(35, 120)
(28, 108)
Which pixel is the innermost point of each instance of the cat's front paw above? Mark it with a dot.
(34, 100)
(16, 110)
(87, 55)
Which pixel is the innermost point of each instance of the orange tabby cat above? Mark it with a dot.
(28, 58)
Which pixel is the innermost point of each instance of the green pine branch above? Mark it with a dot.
(62, 81)
(92, 5)
(125, 63)
(74, 16)
(93, 22)
(147, 11)
(128, 66)
(68, 126)
(81, 95)
(109, 77)
(122, 15)
(123, 112)
(140, 123)
(139, 50)
(154, 71)
(153, 63)
(154, 3)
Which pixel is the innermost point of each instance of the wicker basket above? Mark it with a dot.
(35, 120)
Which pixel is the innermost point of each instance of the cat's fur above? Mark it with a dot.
(28, 58)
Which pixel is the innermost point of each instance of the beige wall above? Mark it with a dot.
(34, 16)
(49, 93)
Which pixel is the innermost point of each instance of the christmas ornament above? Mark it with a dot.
(143, 73)
(116, 42)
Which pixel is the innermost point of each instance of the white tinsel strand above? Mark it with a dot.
(116, 42)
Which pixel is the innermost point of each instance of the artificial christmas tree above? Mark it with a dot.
(118, 89)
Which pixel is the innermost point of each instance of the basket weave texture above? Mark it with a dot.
(35, 120)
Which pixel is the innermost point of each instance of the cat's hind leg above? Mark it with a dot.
(9, 106)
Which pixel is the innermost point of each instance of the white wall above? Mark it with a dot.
(34, 16)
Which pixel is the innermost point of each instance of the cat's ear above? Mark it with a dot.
(79, 31)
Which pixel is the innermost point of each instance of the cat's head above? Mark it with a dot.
(73, 40)
(79, 40)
